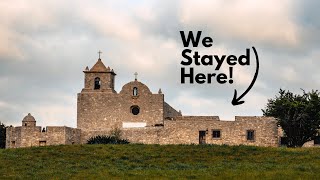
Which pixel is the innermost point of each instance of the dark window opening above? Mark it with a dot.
(13, 143)
(25, 124)
(250, 135)
(135, 91)
(97, 83)
(135, 110)
(202, 137)
(317, 140)
(284, 141)
(216, 134)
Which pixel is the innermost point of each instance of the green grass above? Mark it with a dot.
(159, 161)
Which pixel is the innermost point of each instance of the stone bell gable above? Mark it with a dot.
(99, 78)
(101, 109)
(142, 116)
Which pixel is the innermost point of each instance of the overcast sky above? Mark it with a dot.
(45, 46)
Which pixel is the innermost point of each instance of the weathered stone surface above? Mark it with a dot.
(170, 112)
(101, 110)
(33, 136)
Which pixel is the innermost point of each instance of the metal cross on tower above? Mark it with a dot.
(135, 76)
(99, 52)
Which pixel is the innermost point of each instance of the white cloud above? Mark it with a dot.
(57, 39)
(289, 74)
(194, 105)
(270, 22)
(54, 115)
(3, 104)
(112, 24)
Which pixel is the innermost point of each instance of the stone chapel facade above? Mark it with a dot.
(142, 116)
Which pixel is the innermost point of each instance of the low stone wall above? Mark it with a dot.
(146, 135)
(169, 111)
(183, 131)
(197, 118)
(24, 136)
(86, 135)
(72, 135)
(179, 130)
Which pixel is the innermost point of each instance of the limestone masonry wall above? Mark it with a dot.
(33, 136)
(100, 111)
(142, 116)
(232, 132)
(187, 131)
(170, 112)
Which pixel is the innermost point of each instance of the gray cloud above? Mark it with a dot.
(45, 46)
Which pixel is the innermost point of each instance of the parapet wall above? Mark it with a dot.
(186, 130)
(169, 111)
(249, 118)
(178, 130)
(196, 118)
(145, 135)
(23, 136)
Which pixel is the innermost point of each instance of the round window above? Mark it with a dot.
(135, 110)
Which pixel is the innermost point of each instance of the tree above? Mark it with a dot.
(2, 135)
(298, 115)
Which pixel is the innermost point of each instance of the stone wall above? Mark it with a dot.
(170, 112)
(147, 135)
(181, 130)
(107, 82)
(24, 136)
(154, 121)
(100, 111)
(185, 130)
(86, 135)
(196, 118)
(232, 132)
(150, 135)
(72, 135)
(13, 137)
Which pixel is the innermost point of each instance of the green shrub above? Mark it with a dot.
(102, 139)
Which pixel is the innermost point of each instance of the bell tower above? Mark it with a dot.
(99, 78)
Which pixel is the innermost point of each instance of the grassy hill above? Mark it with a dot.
(155, 161)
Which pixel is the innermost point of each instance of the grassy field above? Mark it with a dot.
(159, 161)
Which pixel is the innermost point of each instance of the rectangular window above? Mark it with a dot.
(13, 143)
(216, 133)
(250, 135)
(317, 140)
(283, 141)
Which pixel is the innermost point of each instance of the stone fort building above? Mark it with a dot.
(142, 116)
